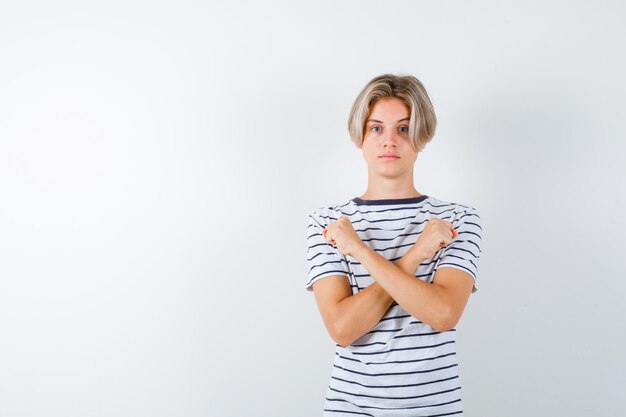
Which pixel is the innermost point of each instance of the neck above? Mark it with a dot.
(390, 188)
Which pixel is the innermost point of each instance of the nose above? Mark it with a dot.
(390, 139)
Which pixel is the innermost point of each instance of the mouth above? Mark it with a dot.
(389, 157)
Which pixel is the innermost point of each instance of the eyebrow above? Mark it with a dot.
(378, 121)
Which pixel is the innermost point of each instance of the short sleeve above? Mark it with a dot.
(464, 251)
(323, 260)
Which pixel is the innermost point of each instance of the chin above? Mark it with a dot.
(390, 174)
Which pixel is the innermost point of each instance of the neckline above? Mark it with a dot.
(409, 200)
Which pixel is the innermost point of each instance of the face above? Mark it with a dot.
(386, 145)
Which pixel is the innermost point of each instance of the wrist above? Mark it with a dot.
(360, 251)
(413, 258)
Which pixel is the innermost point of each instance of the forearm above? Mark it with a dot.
(422, 300)
(358, 314)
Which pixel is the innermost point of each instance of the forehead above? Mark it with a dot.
(389, 109)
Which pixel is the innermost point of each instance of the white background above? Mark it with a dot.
(158, 161)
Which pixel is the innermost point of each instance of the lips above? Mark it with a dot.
(389, 156)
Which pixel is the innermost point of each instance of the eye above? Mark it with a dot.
(403, 129)
(376, 129)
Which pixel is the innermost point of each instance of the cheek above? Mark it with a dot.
(366, 149)
(370, 154)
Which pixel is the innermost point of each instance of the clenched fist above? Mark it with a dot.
(341, 234)
(436, 235)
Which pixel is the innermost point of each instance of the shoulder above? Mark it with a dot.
(454, 210)
(326, 214)
(458, 207)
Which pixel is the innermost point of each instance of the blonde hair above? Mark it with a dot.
(411, 92)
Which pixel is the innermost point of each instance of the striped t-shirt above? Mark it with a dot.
(402, 367)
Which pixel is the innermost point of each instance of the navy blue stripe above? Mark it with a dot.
(396, 373)
(350, 359)
(401, 408)
(409, 200)
(455, 243)
(402, 349)
(463, 206)
(398, 362)
(450, 247)
(468, 214)
(400, 337)
(446, 414)
(378, 228)
(429, 202)
(347, 412)
(474, 224)
(421, 334)
(319, 244)
(472, 233)
(436, 214)
(328, 262)
(404, 316)
(321, 253)
(393, 247)
(347, 203)
(423, 264)
(383, 331)
(327, 218)
(369, 344)
(418, 223)
(396, 398)
(419, 384)
(463, 259)
(466, 241)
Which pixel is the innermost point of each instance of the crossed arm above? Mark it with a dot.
(440, 304)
